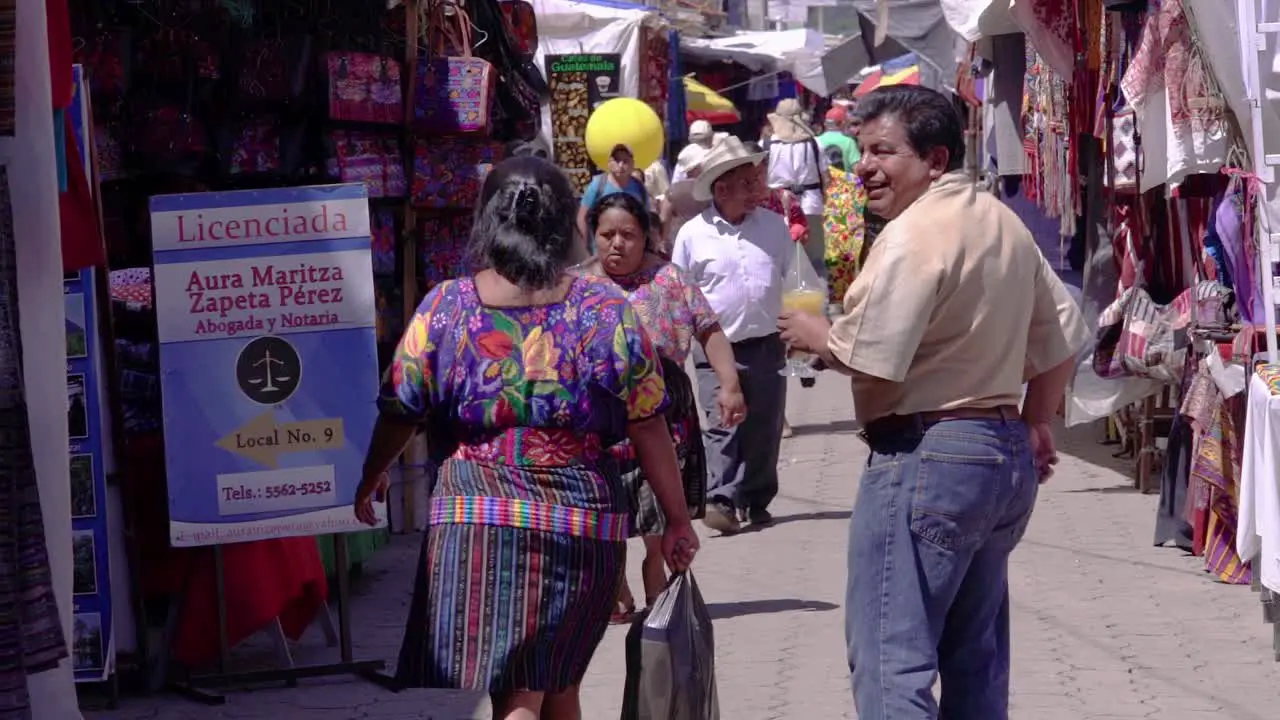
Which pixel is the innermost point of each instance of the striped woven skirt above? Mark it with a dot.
(516, 577)
(682, 418)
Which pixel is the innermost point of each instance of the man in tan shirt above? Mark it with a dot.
(955, 309)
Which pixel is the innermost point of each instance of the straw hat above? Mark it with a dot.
(727, 154)
(788, 122)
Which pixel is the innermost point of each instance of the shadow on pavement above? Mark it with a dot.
(723, 611)
(821, 515)
(836, 427)
(1108, 490)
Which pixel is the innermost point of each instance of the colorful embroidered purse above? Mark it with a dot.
(454, 95)
(255, 148)
(522, 26)
(442, 248)
(370, 158)
(383, 248)
(364, 88)
(448, 172)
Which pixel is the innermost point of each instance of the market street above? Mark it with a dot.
(1105, 626)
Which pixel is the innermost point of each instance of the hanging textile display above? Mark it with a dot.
(1051, 173)
(1181, 115)
(31, 638)
(8, 53)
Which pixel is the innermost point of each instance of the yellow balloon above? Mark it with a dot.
(624, 121)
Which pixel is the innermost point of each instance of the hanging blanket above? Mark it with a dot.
(31, 638)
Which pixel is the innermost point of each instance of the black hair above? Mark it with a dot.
(619, 201)
(621, 148)
(929, 118)
(524, 224)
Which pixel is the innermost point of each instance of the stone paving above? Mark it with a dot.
(1106, 627)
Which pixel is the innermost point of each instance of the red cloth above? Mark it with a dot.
(264, 579)
(59, 28)
(82, 244)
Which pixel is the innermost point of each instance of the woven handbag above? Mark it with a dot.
(454, 94)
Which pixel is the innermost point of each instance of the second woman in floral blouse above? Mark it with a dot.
(674, 314)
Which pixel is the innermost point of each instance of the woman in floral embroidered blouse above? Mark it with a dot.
(524, 376)
(675, 314)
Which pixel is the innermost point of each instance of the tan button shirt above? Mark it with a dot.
(955, 307)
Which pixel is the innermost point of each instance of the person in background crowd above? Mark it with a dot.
(680, 205)
(618, 178)
(796, 163)
(674, 313)
(523, 374)
(952, 478)
(840, 148)
(738, 254)
(701, 138)
(786, 204)
(844, 228)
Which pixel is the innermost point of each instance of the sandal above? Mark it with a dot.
(623, 613)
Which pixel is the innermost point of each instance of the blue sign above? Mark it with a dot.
(92, 644)
(92, 649)
(268, 364)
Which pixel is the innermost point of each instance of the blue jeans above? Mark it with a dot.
(938, 512)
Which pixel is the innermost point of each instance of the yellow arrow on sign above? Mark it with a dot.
(263, 441)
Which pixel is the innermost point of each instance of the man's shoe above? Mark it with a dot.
(808, 382)
(722, 518)
(760, 517)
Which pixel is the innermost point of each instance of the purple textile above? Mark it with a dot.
(1230, 229)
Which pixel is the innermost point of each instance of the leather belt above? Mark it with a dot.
(891, 426)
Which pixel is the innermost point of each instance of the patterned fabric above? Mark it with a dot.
(844, 228)
(31, 638)
(1270, 375)
(669, 305)
(364, 88)
(449, 172)
(8, 53)
(691, 454)
(528, 512)
(455, 95)
(1217, 465)
(674, 313)
(503, 608)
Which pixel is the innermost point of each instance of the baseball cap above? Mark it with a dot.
(700, 130)
(837, 114)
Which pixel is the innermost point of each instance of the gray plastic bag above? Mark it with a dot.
(671, 652)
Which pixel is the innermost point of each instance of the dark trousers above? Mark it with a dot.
(742, 462)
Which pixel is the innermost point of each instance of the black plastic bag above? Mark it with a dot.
(671, 652)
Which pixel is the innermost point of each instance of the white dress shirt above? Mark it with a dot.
(739, 268)
(798, 165)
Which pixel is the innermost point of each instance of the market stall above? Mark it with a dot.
(334, 115)
(1135, 128)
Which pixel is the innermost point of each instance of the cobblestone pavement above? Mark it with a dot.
(1105, 626)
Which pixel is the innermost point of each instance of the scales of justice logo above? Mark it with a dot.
(268, 370)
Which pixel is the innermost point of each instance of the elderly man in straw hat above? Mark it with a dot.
(955, 309)
(796, 163)
(738, 254)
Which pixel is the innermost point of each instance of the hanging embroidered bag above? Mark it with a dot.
(364, 88)
(454, 95)
(448, 172)
(383, 249)
(370, 158)
(522, 26)
(1138, 337)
